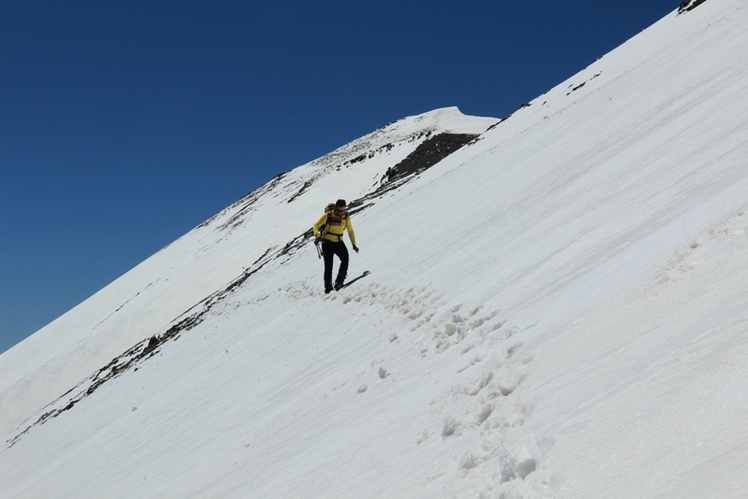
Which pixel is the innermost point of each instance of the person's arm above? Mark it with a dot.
(351, 234)
(316, 227)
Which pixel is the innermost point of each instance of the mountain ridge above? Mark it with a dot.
(229, 219)
(554, 309)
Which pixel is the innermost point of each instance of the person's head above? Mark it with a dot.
(340, 205)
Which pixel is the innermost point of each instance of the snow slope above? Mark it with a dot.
(554, 309)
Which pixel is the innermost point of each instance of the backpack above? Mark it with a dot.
(329, 209)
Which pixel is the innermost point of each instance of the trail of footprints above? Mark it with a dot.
(486, 409)
(484, 405)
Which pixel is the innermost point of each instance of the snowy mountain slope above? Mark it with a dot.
(555, 309)
(153, 296)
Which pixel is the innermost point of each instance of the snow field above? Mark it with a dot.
(555, 310)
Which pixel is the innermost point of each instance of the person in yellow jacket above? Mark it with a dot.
(329, 231)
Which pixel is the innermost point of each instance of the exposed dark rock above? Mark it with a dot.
(577, 87)
(304, 187)
(358, 158)
(427, 154)
(689, 5)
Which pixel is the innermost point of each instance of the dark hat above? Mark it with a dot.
(341, 202)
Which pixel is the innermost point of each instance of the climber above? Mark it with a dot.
(328, 231)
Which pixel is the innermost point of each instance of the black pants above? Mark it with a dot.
(329, 250)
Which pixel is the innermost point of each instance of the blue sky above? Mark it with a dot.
(124, 124)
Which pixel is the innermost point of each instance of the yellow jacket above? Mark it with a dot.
(336, 226)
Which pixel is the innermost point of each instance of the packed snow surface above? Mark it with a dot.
(553, 307)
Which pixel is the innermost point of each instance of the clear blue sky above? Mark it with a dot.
(124, 124)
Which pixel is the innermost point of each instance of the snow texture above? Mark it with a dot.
(549, 305)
